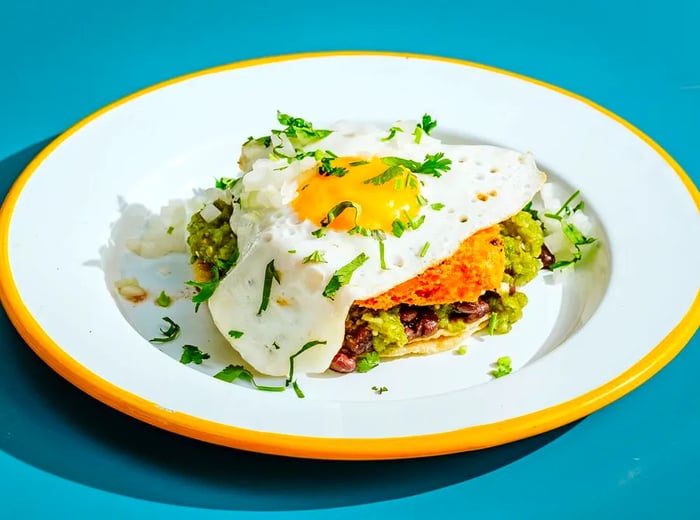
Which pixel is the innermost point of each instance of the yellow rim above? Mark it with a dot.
(472, 438)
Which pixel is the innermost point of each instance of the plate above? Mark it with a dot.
(586, 338)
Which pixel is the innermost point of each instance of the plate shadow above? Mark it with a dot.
(48, 423)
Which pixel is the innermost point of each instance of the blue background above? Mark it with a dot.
(63, 452)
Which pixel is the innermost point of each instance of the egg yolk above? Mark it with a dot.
(379, 203)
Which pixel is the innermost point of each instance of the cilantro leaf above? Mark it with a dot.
(382, 260)
(297, 390)
(206, 289)
(343, 275)
(235, 334)
(392, 133)
(317, 257)
(226, 183)
(380, 389)
(233, 372)
(338, 209)
(192, 354)
(368, 362)
(426, 125)
(385, 176)
(169, 334)
(437, 206)
(298, 127)
(424, 249)
(326, 168)
(270, 274)
(304, 348)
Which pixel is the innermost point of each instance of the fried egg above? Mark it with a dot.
(293, 284)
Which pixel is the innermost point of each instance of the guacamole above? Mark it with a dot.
(214, 242)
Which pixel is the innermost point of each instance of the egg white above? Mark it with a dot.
(268, 229)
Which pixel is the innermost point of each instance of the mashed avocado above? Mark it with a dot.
(522, 240)
(386, 328)
(507, 309)
(212, 242)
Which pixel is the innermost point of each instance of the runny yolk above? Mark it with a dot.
(380, 204)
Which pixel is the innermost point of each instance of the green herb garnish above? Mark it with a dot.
(382, 261)
(424, 249)
(226, 183)
(170, 230)
(338, 209)
(306, 347)
(461, 350)
(235, 334)
(169, 334)
(397, 228)
(437, 206)
(206, 289)
(326, 168)
(368, 362)
(426, 125)
(317, 257)
(298, 127)
(297, 390)
(435, 164)
(571, 232)
(380, 389)
(233, 372)
(421, 200)
(343, 275)
(386, 176)
(492, 323)
(270, 274)
(359, 163)
(392, 133)
(503, 367)
(320, 232)
(163, 300)
(192, 354)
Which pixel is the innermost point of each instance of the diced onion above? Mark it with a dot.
(209, 213)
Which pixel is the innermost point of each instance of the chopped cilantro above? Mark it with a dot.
(233, 372)
(503, 367)
(434, 164)
(380, 389)
(386, 176)
(270, 274)
(421, 200)
(392, 133)
(382, 261)
(298, 127)
(170, 230)
(338, 209)
(571, 232)
(172, 332)
(368, 362)
(320, 232)
(424, 249)
(493, 319)
(306, 347)
(326, 168)
(343, 275)
(291, 251)
(206, 289)
(316, 257)
(297, 390)
(163, 300)
(397, 228)
(359, 163)
(192, 354)
(437, 206)
(226, 183)
(461, 350)
(426, 125)
(235, 334)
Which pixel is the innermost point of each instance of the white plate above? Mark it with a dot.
(583, 342)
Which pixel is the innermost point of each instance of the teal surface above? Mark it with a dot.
(63, 453)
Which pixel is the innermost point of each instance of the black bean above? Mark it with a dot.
(546, 257)
(358, 339)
